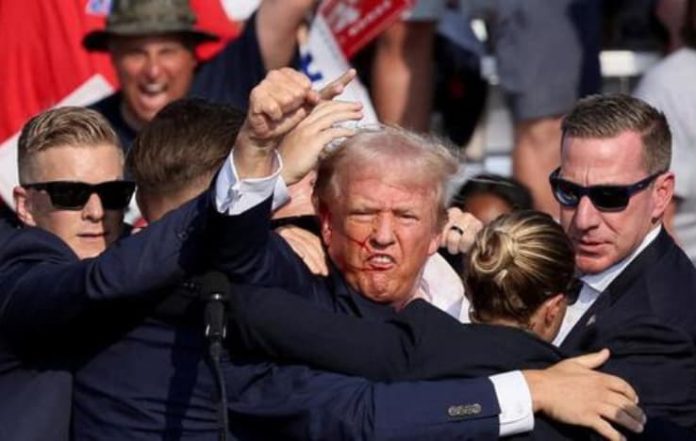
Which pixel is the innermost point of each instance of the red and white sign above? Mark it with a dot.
(339, 30)
(355, 22)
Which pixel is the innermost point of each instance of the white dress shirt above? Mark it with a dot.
(235, 196)
(594, 284)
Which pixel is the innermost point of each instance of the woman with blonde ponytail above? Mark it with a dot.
(520, 272)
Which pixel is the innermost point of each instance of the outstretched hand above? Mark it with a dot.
(284, 107)
(278, 103)
(276, 106)
(300, 149)
(573, 392)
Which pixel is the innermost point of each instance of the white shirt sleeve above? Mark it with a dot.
(235, 196)
(515, 400)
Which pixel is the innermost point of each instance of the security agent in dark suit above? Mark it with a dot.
(68, 257)
(161, 381)
(145, 345)
(614, 186)
(520, 274)
(378, 232)
(172, 397)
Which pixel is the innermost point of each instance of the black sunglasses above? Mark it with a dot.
(66, 195)
(603, 197)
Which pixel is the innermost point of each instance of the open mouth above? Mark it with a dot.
(381, 262)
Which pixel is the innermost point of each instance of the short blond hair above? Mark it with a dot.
(62, 126)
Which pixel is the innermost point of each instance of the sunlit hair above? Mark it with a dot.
(517, 262)
(420, 159)
(607, 116)
(62, 127)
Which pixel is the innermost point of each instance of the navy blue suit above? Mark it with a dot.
(45, 292)
(647, 317)
(138, 369)
(260, 257)
(420, 342)
(163, 389)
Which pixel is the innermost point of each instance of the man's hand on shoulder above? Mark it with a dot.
(573, 392)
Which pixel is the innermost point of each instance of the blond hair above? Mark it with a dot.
(517, 262)
(62, 126)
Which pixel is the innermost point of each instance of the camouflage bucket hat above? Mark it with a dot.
(147, 17)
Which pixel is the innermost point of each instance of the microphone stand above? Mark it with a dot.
(215, 332)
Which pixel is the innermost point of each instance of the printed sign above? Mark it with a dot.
(355, 22)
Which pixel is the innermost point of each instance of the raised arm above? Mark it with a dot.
(287, 120)
(422, 342)
(44, 287)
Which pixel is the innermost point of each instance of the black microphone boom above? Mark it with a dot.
(215, 288)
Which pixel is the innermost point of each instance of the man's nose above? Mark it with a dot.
(383, 230)
(93, 209)
(586, 214)
(152, 67)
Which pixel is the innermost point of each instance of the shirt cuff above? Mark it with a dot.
(515, 400)
(234, 196)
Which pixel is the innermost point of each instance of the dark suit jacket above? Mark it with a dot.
(45, 291)
(259, 257)
(155, 367)
(152, 381)
(647, 317)
(421, 342)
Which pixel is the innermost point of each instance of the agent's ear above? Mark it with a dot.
(555, 307)
(547, 319)
(663, 192)
(24, 205)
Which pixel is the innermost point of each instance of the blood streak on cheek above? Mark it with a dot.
(362, 244)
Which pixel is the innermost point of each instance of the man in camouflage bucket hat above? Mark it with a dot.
(152, 45)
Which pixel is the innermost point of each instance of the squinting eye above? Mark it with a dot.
(362, 217)
(408, 217)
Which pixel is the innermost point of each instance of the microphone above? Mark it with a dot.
(215, 287)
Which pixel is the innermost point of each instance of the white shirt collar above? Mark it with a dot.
(595, 284)
(600, 281)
